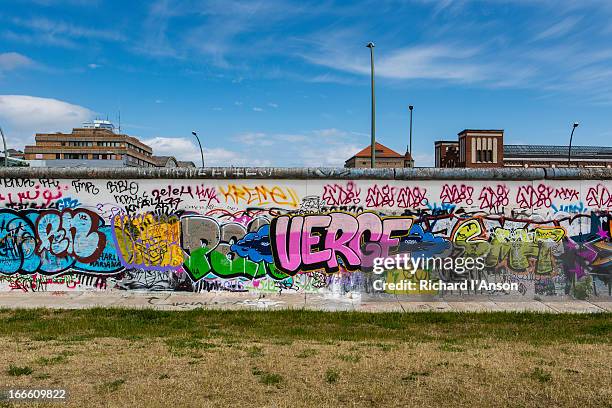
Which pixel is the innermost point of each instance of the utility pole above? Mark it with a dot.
(569, 152)
(370, 45)
(410, 146)
(5, 152)
(200, 144)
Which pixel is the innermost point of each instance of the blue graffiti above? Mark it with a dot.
(255, 246)
(420, 243)
(570, 208)
(53, 241)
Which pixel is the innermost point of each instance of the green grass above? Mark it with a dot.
(16, 371)
(350, 358)
(332, 375)
(45, 361)
(271, 379)
(267, 378)
(112, 386)
(187, 328)
(541, 375)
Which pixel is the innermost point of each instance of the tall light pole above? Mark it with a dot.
(569, 152)
(5, 152)
(201, 151)
(410, 107)
(370, 45)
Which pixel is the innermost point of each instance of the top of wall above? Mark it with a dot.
(308, 173)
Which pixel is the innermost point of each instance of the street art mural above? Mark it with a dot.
(552, 237)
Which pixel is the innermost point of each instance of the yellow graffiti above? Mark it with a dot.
(260, 195)
(145, 241)
(397, 276)
(519, 246)
(472, 237)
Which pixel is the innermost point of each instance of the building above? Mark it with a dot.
(16, 154)
(385, 158)
(485, 148)
(95, 144)
(170, 161)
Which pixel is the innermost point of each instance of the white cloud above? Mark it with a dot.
(24, 115)
(94, 66)
(273, 105)
(186, 149)
(238, 103)
(254, 138)
(257, 109)
(319, 147)
(331, 132)
(12, 60)
(159, 101)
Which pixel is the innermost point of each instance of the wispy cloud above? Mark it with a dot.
(558, 29)
(41, 30)
(10, 61)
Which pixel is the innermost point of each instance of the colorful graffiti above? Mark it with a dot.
(319, 236)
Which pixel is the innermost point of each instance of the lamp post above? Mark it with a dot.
(410, 107)
(569, 152)
(5, 152)
(200, 144)
(370, 45)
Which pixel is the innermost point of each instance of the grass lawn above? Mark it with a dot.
(200, 358)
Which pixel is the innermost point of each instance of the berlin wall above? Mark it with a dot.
(309, 230)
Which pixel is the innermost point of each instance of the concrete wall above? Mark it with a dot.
(310, 230)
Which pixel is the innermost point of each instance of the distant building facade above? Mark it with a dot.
(95, 144)
(170, 161)
(384, 157)
(485, 148)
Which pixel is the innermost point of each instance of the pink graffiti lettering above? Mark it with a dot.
(336, 194)
(310, 242)
(411, 197)
(599, 197)
(380, 196)
(494, 197)
(533, 197)
(457, 194)
(206, 194)
(567, 194)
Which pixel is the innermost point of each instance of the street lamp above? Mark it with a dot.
(370, 45)
(569, 152)
(201, 151)
(5, 152)
(410, 107)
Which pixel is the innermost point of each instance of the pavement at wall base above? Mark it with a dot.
(243, 301)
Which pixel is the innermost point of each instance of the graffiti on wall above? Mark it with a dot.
(300, 235)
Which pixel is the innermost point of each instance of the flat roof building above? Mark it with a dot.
(95, 144)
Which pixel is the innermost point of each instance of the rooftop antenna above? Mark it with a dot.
(119, 120)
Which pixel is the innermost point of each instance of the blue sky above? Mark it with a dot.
(286, 83)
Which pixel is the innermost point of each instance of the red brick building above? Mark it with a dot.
(385, 158)
(485, 148)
